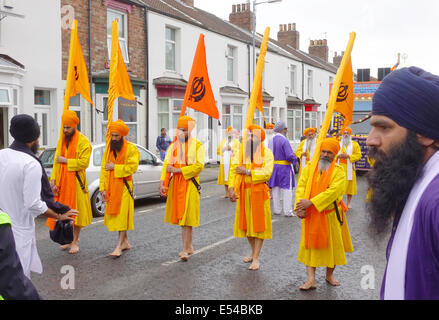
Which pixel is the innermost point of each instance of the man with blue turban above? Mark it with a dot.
(404, 142)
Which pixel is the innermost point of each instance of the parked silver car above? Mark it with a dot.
(145, 181)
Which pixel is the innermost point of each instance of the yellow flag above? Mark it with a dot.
(330, 110)
(77, 75)
(345, 98)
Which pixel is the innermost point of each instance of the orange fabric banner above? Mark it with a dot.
(345, 97)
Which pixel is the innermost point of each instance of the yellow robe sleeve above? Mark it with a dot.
(195, 161)
(301, 185)
(233, 165)
(83, 153)
(263, 174)
(55, 167)
(166, 162)
(335, 190)
(356, 152)
(300, 148)
(131, 163)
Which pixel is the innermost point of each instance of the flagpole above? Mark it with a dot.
(329, 112)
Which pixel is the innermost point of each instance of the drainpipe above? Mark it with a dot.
(146, 75)
(249, 75)
(90, 70)
(303, 97)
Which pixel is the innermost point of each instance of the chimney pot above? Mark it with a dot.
(289, 27)
(294, 26)
(238, 8)
(233, 8)
(311, 43)
(280, 27)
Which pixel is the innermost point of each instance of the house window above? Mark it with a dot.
(310, 119)
(168, 113)
(42, 97)
(309, 85)
(170, 49)
(4, 96)
(75, 105)
(232, 116)
(123, 32)
(292, 79)
(231, 53)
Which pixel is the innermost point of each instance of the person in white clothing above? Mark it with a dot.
(20, 191)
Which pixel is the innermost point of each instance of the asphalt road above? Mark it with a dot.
(151, 269)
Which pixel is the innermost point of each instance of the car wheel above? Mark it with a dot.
(97, 204)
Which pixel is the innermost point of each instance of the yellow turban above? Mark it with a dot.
(70, 119)
(186, 122)
(331, 144)
(119, 127)
(257, 131)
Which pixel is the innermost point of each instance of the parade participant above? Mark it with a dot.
(253, 214)
(323, 240)
(350, 152)
(305, 150)
(14, 285)
(68, 180)
(116, 184)
(20, 191)
(185, 160)
(269, 133)
(225, 150)
(404, 143)
(282, 180)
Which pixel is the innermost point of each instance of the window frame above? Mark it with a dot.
(124, 48)
(174, 44)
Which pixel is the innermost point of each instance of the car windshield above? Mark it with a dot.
(47, 158)
(98, 153)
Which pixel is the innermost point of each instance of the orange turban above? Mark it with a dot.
(229, 129)
(331, 144)
(257, 131)
(349, 130)
(307, 131)
(186, 122)
(269, 126)
(119, 127)
(70, 119)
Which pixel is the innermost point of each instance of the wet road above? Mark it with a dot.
(152, 270)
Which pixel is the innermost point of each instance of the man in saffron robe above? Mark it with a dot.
(116, 184)
(404, 142)
(185, 160)
(68, 180)
(248, 187)
(225, 149)
(350, 152)
(324, 240)
(305, 150)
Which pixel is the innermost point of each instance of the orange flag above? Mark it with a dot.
(345, 97)
(199, 94)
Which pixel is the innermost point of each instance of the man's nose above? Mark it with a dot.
(373, 139)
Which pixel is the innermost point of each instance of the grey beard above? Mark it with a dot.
(309, 143)
(324, 165)
(346, 141)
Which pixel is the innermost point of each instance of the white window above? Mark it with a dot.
(309, 83)
(231, 62)
(42, 97)
(168, 113)
(232, 116)
(170, 44)
(310, 119)
(123, 32)
(294, 123)
(75, 105)
(293, 79)
(43, 103)
(5, 98)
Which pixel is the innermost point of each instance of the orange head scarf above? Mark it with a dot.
(257, 131)
(269, 126)
(186, 122)
(349, 130)
(307, 131)
(229, 129)
(330, 144)
(69, 118)
(119, 127)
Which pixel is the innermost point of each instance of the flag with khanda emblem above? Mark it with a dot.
(344, 103)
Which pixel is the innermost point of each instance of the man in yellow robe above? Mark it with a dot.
(305, 150)
(324, 232)
(225, 149)
(247, 186)
(185, 161)
(68, 179)
(350, 152)
(116, 184)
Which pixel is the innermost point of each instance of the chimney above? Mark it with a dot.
(319, 48)
(337, 59)
(188, 2)
(288, 35)
(242, 16)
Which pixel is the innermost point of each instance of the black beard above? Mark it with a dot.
(69, 137)
(251, 148)
(116, 145)
(391, 179)
(34, 148)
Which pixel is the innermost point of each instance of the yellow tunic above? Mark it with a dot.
(339, 239)
(299, 154)
(195, 165)
(220, 152)
(260, 175)
(125, 219)
(79, 164)
(351, 186)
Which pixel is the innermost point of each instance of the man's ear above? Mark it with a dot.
(427, 142)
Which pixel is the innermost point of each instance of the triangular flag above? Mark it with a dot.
(345, 98)
(199, 94)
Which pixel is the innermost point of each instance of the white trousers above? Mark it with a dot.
(287, 197)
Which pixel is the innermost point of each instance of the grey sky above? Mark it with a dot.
(383, 27)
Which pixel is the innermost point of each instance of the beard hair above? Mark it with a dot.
(69, 137)
(324, 164)
(309, 143)
(251, 148)
(346, 140)
(116, 145)
(34, 147)
(391, 179)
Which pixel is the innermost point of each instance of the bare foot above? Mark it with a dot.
(184, 256)
(116, 253)
(226, 196)
(74, 248)
(332, 281)
(125, 246)
(308, 285)
(247, 259)
(254, 265)
(65, 246)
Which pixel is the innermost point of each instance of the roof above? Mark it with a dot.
(232, 90)
(203, 19)
(8, 61)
